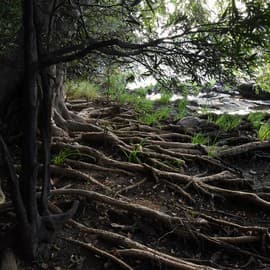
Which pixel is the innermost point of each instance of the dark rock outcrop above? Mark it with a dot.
(252, 91)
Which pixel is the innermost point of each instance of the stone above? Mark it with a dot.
(252, 91)
(189, 122)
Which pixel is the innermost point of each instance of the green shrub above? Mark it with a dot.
(65, 153)
(228, 122)
(264, 132)
(116, 85)
(142, 91)
(81, 89)
(263, 75)
(154, 117)
(165, 98)
(181, 109)
(200, 139)
(256, 119)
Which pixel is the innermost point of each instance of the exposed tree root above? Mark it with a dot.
(73, 174)
(243, 148)
(143, 251)
(142, 210)
(92, 167)
(171, 186)
(138, 253)
(101, 252)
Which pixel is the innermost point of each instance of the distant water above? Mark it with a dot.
(213, 101)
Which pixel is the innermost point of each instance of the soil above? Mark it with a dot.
(150, 199)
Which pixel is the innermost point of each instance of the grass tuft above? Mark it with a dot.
(200, 139)
(81, 89)
(264, 132)
(228, 122)
(256, 118)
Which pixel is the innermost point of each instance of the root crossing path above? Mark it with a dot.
(151, 199)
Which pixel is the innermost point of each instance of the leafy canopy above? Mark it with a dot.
(168, 37)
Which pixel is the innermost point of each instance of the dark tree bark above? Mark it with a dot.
(35, 225)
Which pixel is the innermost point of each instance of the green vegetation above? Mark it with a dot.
(212, 151)
(264, 132)
(165, 97)
(228, 122)
(263, 73)
(256, 119)
(181, 109)
(155, 116)
(200, 139)
(65, 153)
(133, 155)
(263, 129)
(81, 89)
(142, 91)
(115, 85)
(147, 112)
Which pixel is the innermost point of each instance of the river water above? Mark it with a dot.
(219, 103)
(216, 100)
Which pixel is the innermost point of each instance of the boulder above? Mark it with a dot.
(252, 91)
(189, 122)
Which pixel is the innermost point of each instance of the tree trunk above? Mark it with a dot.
(35, 225)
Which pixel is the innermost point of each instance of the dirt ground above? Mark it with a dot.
(150, 199)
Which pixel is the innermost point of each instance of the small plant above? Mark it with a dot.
(228, 122)
(65, 153)
(181, 109)
(82, 89)
(200, 139)
(143, 105)
(263, 74)
(212, 151)
(116, 84)
(154, 117)
(142, 91)
(256, 119)
(264, 132)
(133, 155)
(165, 98)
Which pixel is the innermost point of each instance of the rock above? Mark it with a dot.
(189, 122)
(251, 91)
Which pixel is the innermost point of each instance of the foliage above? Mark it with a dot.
(228, 122)
(142, 91)
(154, 117)
(263, 75)
(200, 139)
(81, 89)
(65, 153)
(133, 155)
(264, 132)
(165, 97)
(256, 119)
(181, 109)
(10, 23)
(147, 112)
(115, 84)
